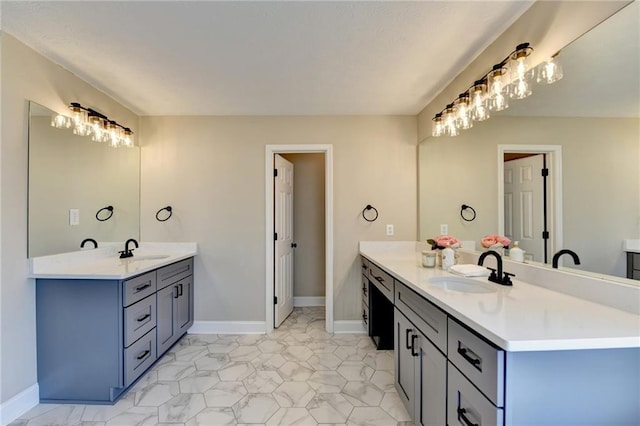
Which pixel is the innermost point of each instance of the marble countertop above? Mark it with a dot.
(105, 263)
(523, 317)
(631, 246)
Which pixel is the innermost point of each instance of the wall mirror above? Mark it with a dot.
(69, 172)
(592, 114)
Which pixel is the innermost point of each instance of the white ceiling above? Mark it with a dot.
(263, 58)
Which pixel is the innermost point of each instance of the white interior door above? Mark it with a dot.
(523, 204)
(283, 217)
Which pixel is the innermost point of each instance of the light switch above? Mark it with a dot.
(74, 217)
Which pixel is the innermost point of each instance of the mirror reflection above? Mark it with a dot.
(71, 178)
(592, 115)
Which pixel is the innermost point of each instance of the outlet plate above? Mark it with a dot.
(74, 217)
(444, 229)
(389, 230)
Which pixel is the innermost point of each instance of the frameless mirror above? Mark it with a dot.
(70, 179)
(592, 114)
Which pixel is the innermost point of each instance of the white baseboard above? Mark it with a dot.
(14, 407)
(348, 326)
(308, 301)
(228, 327)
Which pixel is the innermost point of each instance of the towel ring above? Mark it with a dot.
(168, 209)
(109, 209)
(367, 208)
(462, 210)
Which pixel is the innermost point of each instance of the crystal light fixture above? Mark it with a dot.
(89, 122)
(549, 71)
(521, 73)
(510, 78)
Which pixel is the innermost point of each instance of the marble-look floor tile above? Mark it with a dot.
(181, 408)
(236, 371)
(225, 394)
(244, 353)
(355, 371)
(384, 380)
(175, 371)
(59, 416)
(295, 371)
(297, 353)
(263, 381)
(362, 394)
(268, 361)
(392, 405)
(222, 347)
(136, 416)
(156, 394)
(324, 361)
(293, 394)
(214, 361)
(103, 413)
(255, 408)
(292, 417)
(326, 381)
(270, 346)
(330, 408)
(213, 416)
(370, 416)
(199, 382)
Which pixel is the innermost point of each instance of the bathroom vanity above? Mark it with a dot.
(98, 333)
(518, 355)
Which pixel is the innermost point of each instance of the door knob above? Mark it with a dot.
(294, 245)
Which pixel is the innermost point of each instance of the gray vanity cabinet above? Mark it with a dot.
(95, 337)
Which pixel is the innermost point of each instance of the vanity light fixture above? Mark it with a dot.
(89, 122)
(510, 78)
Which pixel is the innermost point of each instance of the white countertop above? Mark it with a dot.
(523, 317)
(632, 246)
(104, 262)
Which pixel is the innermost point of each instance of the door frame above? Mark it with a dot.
(554, 155)
(327, 150)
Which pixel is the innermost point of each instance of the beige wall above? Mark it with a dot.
(601, 191)
(211, 170)
(308, 224)
(26, 76)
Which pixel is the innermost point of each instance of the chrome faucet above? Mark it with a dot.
(89, 240)
(556, 257)
(127, 252)
(496, 275)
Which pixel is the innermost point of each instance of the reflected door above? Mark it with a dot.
(524, 204)
(283, 216)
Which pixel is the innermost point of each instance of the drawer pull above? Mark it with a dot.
(143, 354)
(413, 344)
(406, 338)
(179, 290)
(364, 267)
(176, 293)
(465, 420)
(473, 361)
(143, 317)
(364, 290)
(364, 317)
(142, 287)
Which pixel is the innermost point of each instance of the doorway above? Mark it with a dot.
(327, 156)
(530, 197)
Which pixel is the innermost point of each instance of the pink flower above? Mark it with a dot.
(446, 240)
(493, 239)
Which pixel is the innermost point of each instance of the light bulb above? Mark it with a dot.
(449, 118)
(478, 101)
(521, 75)
(60, 121)
(498, 88)
(437, 126)
(97, 127)
(79, 120)
(463, 112)
(127, 139)
(549, 71)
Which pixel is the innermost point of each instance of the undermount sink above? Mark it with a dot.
(148, 257)
(461, 284)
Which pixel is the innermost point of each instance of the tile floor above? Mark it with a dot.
(297, 375)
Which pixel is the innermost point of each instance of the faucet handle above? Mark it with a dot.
(507, 278)
(493, 275)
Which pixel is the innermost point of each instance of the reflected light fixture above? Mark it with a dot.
(89, 122)
(510, 78)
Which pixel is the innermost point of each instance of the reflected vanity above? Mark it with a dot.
(592, 117)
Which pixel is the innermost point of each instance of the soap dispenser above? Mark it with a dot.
(516, 253)
(448, 258)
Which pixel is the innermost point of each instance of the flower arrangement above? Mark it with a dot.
(495, 241)
(443, 241)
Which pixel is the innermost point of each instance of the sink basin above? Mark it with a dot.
(148, 257)
(461, 284)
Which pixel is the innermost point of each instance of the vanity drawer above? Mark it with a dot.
(139, 318)
(365, 266)
(479, 361)
(466, 405)
(139, 287)
(382, 280)
(431, 321)
(174, 272)
(139, 356)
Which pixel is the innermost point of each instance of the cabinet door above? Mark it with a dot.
(431, 384)
(405, 378)
(184, 308)
(165, 313)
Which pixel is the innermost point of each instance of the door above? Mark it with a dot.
(165, 313)
(524, 204)
(404, 361)
(183, 305)
(431, 384)
(283, 217)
